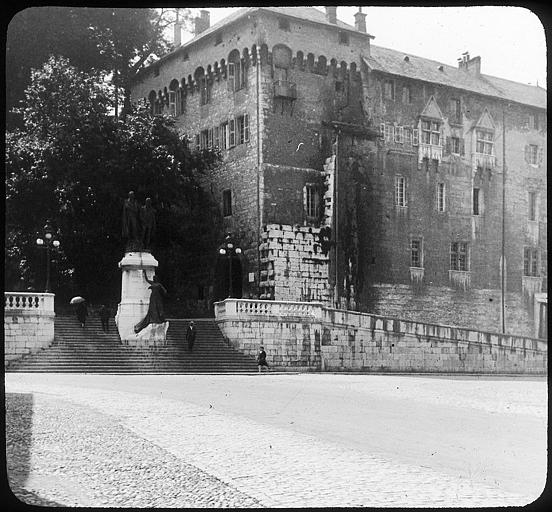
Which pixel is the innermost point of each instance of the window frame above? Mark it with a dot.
(312, 201)
(532, 206)
(227, 202)
(441, 197)
(431, 132)
(389, 90)
(476, 201)
(484, 142)
(400, 191)
(418, 251)
(530, 262)
(459, 256)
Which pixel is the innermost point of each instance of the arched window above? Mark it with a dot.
(237, 71)
(155, 106)
(204, 85)
(174, 99)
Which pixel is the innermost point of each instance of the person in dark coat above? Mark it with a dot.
(261, 359)
(190, 336)
(105, 313)
(156, 313)
(82, 312)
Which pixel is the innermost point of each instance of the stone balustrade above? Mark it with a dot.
(310, 336)
(28, 323)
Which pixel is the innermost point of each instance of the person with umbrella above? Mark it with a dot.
(81, 310)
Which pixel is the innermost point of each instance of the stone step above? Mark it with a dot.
(89, 349)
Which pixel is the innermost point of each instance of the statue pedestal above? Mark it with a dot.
(134, 303)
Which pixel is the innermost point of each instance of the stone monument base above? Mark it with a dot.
(135, 295)
(153, 335)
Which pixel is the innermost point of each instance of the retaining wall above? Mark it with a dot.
(28, 323)
(310, 337)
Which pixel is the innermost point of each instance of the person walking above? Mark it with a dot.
(82, 312)
(191, 335)
(105, 313)
(261, 359)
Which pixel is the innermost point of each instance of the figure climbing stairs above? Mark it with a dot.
(90, 350)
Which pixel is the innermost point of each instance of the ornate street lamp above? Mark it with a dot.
(228, 248)
(49, 243)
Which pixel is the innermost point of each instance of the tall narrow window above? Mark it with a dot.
(459, 256)
(312, 201)
(243, 128)
(456, 110)
(416, 254)
(226, 203)
(532, 210)
(224, 136)
(475, 202)
(217, 136)
(389, 90)
(533, 154)
(389, 132)
(400, 191)
(406, 95)
(232, 133)
(205, 87)
(455, 145)
(440, 197)
(172, 103)
(530, 258)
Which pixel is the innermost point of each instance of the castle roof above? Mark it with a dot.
(420, 68)
(393, 62)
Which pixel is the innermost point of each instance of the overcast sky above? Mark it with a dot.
(509, 40)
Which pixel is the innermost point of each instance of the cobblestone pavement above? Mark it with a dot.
(104, 447)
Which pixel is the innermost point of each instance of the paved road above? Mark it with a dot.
(279, 440)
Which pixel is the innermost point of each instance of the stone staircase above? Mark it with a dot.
(90, 350)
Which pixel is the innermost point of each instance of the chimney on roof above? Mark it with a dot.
(360, 21)
(331, 15)
(202, 22)
(472, 66)
(177, 33)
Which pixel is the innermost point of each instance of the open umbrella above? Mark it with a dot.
(77, 300)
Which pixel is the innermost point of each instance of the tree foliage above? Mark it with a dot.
(74, 163)
(117, 42)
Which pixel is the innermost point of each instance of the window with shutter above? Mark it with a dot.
(232, 133)
(217, 136)
(415, 136)
(231, 76)
(224, 136)
(246, 128)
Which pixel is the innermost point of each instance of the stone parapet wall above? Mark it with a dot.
(308, 336)
(28, 323)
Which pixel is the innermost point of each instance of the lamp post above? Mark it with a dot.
(228, 248)
(49, 243)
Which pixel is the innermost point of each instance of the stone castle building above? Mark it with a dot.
(362, 177)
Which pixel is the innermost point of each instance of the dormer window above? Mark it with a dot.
(484, 142)
(431, 133)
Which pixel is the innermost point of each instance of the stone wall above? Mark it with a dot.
(309, 336)
(28, 323)
(293, 266)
